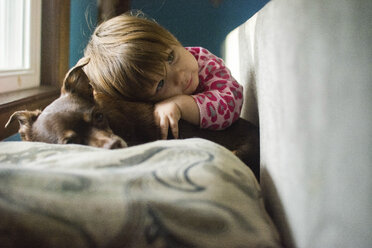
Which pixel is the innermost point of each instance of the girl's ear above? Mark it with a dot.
(77, 82)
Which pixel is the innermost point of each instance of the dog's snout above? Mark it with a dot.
(106, 139)
(115, 143)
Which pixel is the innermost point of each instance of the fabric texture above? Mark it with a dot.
(219, 96)
(309, 64)
(179, 193)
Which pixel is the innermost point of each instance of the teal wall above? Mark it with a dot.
(193, 22)
(83, 20)
(198, 22)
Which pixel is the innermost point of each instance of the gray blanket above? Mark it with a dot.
(180, 193)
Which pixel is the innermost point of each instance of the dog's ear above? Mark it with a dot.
(77, 82)
(26, 119)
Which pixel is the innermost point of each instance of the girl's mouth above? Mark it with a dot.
(188, 85)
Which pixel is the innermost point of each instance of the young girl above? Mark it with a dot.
(136, 58)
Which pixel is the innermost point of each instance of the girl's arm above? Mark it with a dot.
(220, 104)
(169, 112)
(220, 97)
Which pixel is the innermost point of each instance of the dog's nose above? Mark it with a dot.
(116, 144)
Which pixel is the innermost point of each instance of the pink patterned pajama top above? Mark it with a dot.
(219, 96)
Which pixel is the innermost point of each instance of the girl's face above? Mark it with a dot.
(181, 76)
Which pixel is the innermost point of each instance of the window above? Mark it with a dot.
(20, 29)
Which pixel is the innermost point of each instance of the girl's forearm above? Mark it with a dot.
(189, 109)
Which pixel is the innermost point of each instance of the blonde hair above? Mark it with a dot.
(125, 53)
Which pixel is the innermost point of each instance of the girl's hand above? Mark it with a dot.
(167, 113)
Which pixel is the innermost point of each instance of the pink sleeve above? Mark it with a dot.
(220, 97)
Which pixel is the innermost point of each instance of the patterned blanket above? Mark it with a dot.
(178, 193)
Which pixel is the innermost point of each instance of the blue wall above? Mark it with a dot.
(83, 20)
(193, 22)
(198, 22)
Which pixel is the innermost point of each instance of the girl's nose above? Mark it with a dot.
(178, 77)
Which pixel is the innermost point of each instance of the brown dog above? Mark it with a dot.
(72, 118)
(82, 117)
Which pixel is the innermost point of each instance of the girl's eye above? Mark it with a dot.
(160, 85)
(171, 57)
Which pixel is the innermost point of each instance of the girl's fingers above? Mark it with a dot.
(167, 114)
(174, 127)
(164, 127)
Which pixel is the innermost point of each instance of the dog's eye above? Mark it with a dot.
(70, 137)
(73, 140)
(98, 117)
(69, 140)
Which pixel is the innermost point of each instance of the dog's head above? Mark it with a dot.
(72, 118)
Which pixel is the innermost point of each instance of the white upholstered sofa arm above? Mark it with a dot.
(308, 64)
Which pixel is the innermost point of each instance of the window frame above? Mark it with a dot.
(28, 77)
(55, 36)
